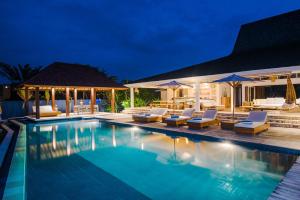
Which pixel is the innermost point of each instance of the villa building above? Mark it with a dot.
(267, 50)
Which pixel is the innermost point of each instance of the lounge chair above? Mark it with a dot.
(175, 120)
(255, 123)
(209, 118)
(46, 111)
(154, 115)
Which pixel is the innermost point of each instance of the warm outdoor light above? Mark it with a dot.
(227, 145)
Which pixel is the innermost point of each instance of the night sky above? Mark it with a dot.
(129, 39)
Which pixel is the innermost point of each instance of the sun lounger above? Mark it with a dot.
(209, 118)
(180, 120)
(255, 123)
(154, 115)
(46, 111)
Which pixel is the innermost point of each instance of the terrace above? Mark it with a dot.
(259, 54)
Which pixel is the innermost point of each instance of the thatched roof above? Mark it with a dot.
(61, 75)
(269, 43)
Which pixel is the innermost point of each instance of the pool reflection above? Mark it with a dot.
(50, 141)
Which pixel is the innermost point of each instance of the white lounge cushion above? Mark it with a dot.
(146, 116)
(249, 124)
(43, 109)
(257, 116)
(177, 119)
(211, 114)
(269, 102)
(208, 102)
(200, 120)
(188, 112)
(158, 111)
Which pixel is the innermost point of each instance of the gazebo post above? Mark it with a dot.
(113, 101)
(67, 102)
(26, 100)
(53, 98)
(92, 100)
(37, 103)
(75, 96)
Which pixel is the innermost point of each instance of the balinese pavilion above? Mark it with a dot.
(267, 51)
(69, 77)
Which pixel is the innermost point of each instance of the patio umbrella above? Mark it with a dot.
(174, 85)
(234, 81)
(290, 92)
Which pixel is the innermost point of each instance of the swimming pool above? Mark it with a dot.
(91, 159)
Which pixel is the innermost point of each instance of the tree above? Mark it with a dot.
(18, 74)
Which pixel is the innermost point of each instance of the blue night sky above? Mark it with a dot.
(129, 39)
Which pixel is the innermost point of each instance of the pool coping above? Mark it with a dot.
(17, 192)
(5, 143)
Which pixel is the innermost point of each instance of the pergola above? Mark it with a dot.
(66, 77)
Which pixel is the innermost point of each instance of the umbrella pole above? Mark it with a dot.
(174, 100)
(233, 96)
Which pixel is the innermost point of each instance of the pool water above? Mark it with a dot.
(99, 160)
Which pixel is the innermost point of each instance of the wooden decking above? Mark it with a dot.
(289, 187)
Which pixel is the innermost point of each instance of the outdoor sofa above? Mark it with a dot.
(154, 115)
(209, 118)
(255, 123)
(46, 111)
(176, 120)
(269, 103)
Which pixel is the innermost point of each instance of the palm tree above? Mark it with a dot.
(18, 74)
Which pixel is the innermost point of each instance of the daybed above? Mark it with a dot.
(46, 111)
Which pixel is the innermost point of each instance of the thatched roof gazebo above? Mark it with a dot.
(65, 76)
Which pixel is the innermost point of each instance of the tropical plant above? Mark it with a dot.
(47, 96)
(18, 74)
(21, 94)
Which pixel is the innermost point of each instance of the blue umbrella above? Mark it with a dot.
(234, 81)
(173, 85)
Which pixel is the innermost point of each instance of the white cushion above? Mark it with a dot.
(43, 109)
(211, 114)
(248, 124)
(200, 120)
(146, 117)
(188, 112)
(269, 102)
(208, 102)
(158, 111)
(257, 116)
(177, 119)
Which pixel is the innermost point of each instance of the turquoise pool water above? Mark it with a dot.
(99, 160)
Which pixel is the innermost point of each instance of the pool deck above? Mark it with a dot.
(289, 187)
